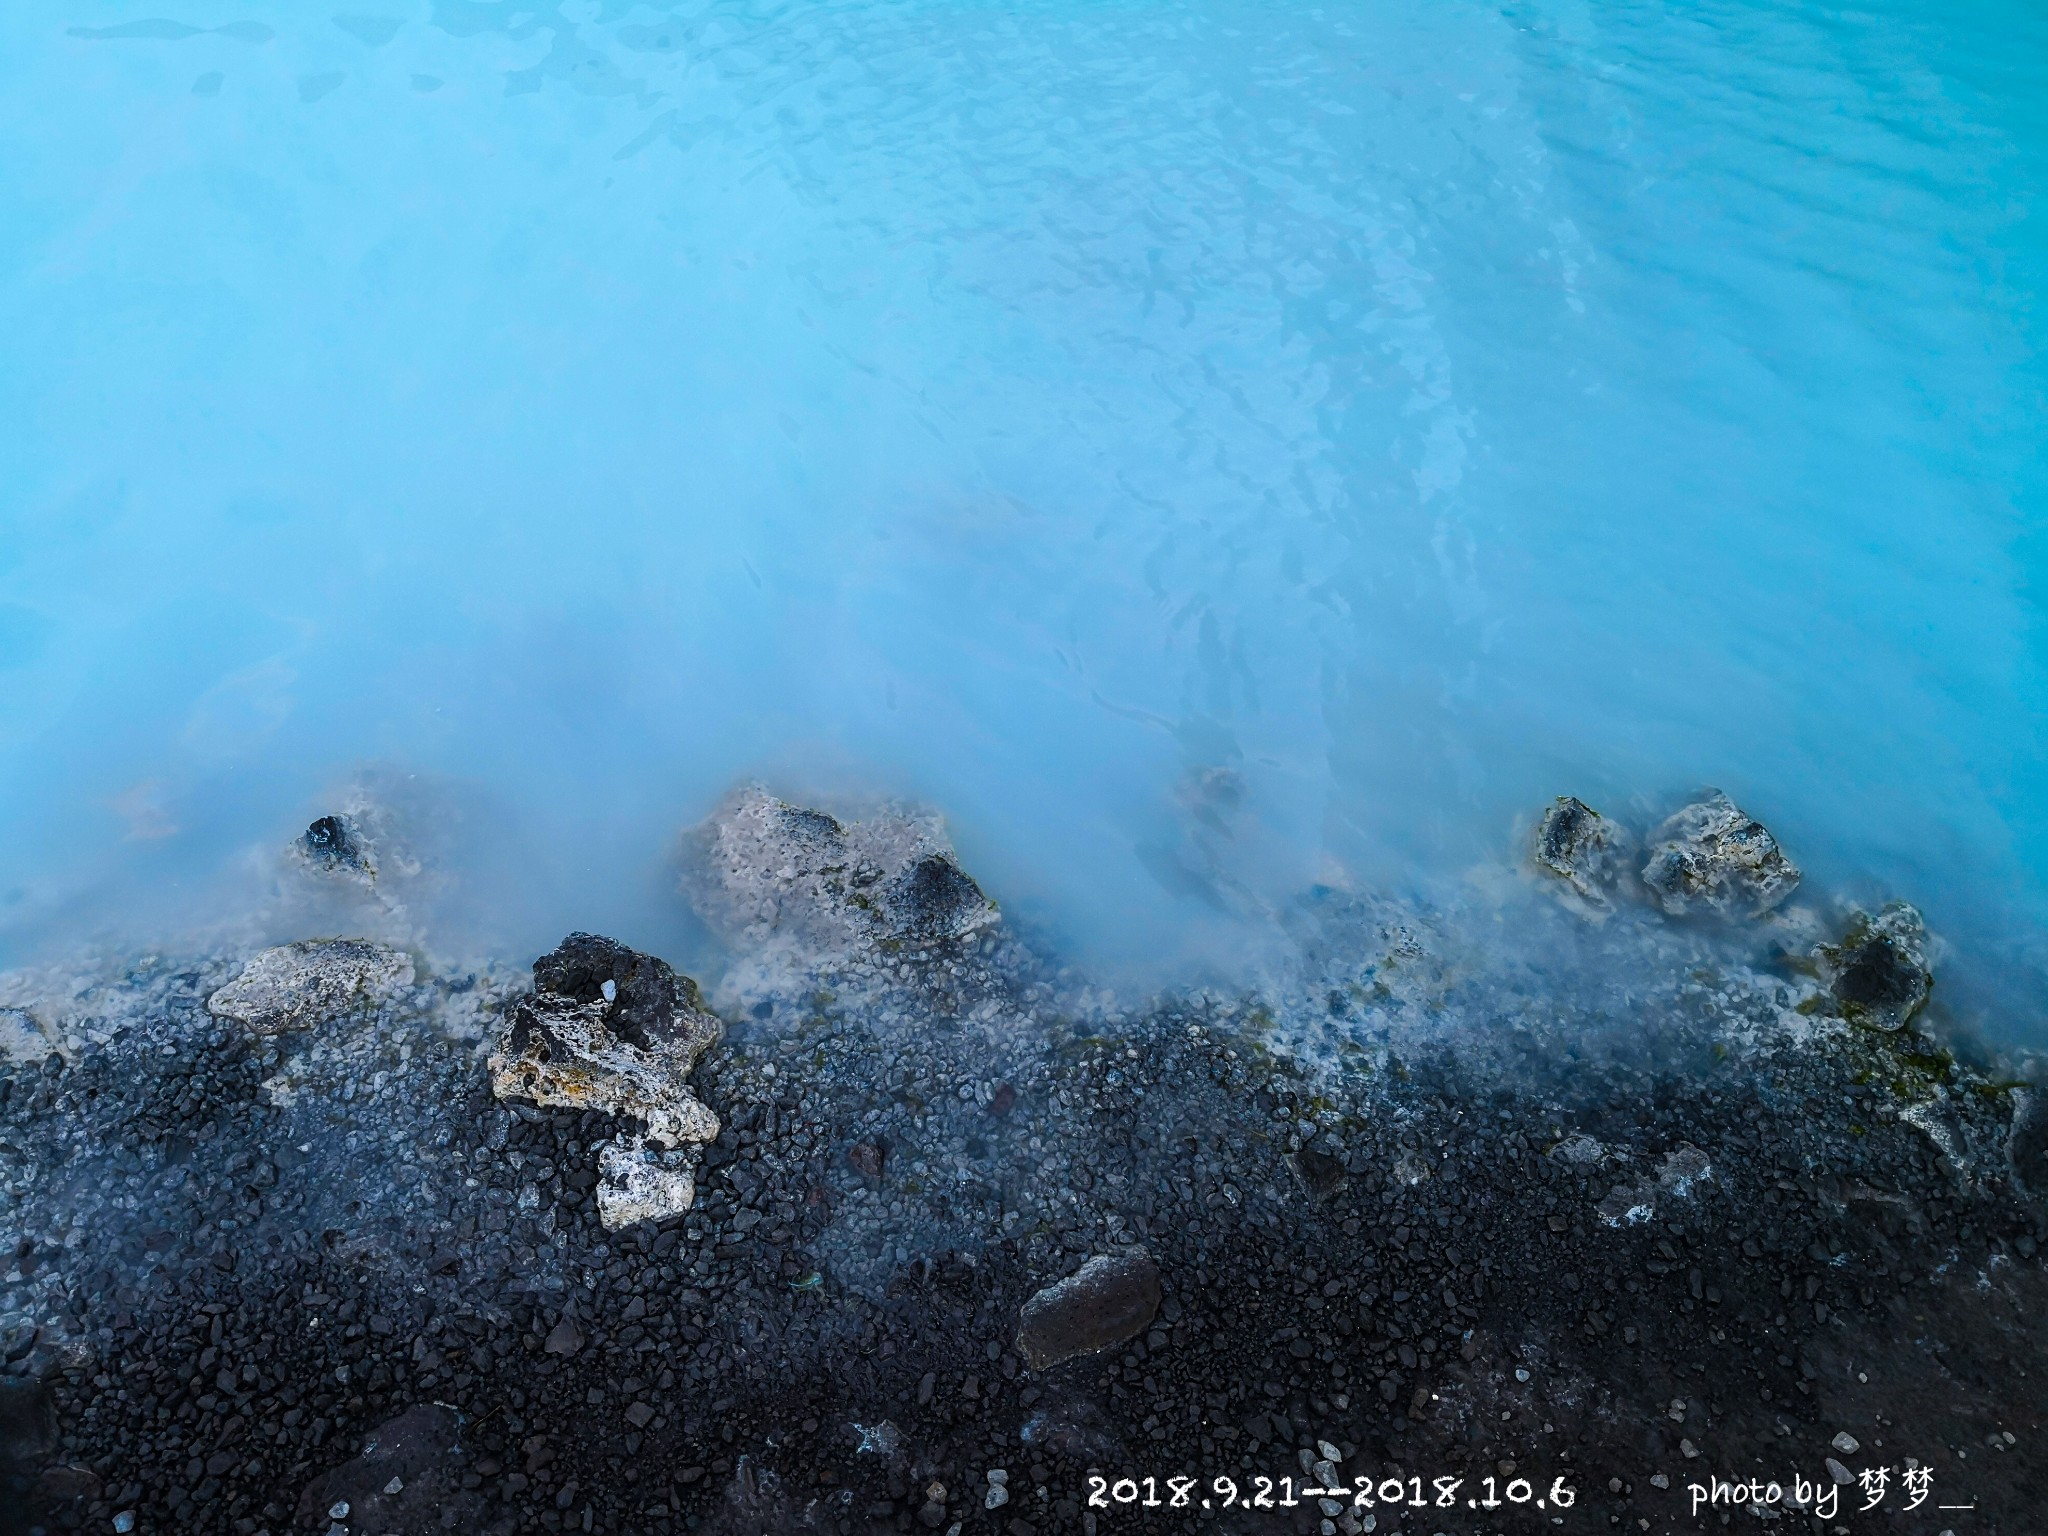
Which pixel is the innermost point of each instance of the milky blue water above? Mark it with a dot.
(1203, 448)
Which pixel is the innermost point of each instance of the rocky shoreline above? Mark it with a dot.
(956, 1245)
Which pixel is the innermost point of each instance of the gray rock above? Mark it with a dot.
(1711, 857)
(298, 986)
(1879, 972)
(1111, 1298)
(22, 1037)
(1585, 850)
(789, 889)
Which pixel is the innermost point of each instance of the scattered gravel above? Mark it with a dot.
(254, 1277)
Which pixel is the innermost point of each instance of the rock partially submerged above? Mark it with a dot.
(778, 881)
(1879, 972)
(611, 1029)
(300, 985)
(1111, 1298)
(1711, 857)
(1587, 851)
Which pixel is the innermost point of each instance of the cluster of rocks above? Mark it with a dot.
(1711, 859)
(1706, 857)
(333, 1239)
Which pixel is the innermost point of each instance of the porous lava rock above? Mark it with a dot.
(1111, 1298)
(297, 986)
(608, 1028)
(1712, 857)
(333, 843)
(792, 888)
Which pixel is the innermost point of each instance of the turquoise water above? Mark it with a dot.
(1203, 448)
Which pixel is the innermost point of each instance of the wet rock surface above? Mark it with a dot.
(1587, 851)
(1879, 973)
(334, 843)
(1712, 857)
(237, 1258)
(1109, 1299)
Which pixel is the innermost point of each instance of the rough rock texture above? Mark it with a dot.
(334, 843)
(1587, 851)
(1879, 973)
(408, 1481)
(609, 1029)
(1710, 857)
(1111, 1298)
(234, 1258)
(299, 985)
(21, 1037)
(794, 891)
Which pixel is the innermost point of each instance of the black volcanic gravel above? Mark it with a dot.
(235, 1262)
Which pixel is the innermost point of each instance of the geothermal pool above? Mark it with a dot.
(1202, 449)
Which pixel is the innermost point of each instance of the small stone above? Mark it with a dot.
(1109, 1299)
(396, 1485)
(1659, 1480)
(1838, 1472)
(338, 1510)
(1847, 1443)
(565, 1338)
(1328, 1451)
(124, 1522)
(639, 1415)
(867, 1158)
(997, 1496)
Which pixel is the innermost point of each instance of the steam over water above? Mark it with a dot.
(1203, 449)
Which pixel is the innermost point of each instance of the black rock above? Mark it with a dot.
(2027, 1142)
(1879, 972)
(646, 997)
(332, 843)
(407, 1482)
(28, 1437)
(935, 897)
(1109, 1299)
(1320, 1174)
